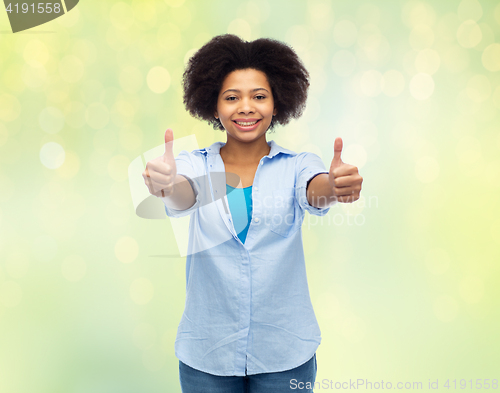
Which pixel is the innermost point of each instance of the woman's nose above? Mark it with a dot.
(246, 105)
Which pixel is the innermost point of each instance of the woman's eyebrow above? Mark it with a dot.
(238, 91)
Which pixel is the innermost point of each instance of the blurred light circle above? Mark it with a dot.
(468, 149)
(70, 167)
(418, 13)
(456, 59)
(469, 34)
(126, 249)
(298, 36)
(479, 88)
(355, 154)
(427, 61)
(471, 289)
(52, 155)
(369, 37)
(91, 90)
(169, 36)
(445, 308)
(343, 63)
(255, 12)
(105, 141)
(421, 86)
(437, 260)
(10, 108)
(131, 79)
(141, 291)
(345, 33)
(392, 83)
(158, 80)
(131, 137)
(470, 9)
(118, 167)
(85, 50)
(97, 115)
(241, 28)
(74, 114)
(36, 53)
(488, 37)
(34, 77)
(490, 57)
(71, 69)
(73, 268)
(51, 120)
(320, 15)
(427, 169)
(10, 293)
(371, 82)
(447, 27)
(144, 336)
(421, 37)
(121, 16)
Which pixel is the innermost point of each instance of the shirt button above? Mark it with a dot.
(261, 162)
(256, 219)
(256, 188)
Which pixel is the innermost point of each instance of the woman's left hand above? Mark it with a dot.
(344, 178)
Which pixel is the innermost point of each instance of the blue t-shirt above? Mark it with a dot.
(240, 205)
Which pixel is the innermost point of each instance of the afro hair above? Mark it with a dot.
(223, 54)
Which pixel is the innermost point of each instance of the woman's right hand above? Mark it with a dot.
(160, 172)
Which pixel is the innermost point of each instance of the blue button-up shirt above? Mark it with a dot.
(248, 308)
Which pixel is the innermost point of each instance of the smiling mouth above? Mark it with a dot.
(247, 124)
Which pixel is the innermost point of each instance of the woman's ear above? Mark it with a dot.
(216, 115)
(275, 111)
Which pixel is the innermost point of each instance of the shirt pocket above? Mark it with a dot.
(283, 211)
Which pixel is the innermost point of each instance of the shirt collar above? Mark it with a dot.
(214, 149)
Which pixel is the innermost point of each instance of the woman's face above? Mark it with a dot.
(245, 97)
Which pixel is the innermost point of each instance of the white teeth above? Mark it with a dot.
(246, 124)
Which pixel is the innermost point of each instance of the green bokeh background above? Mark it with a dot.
(404, 282)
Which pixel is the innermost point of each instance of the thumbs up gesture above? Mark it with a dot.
(344, 178)
(160, 172)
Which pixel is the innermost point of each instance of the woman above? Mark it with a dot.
(248, 323)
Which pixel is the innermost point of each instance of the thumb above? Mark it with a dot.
(337, 149)
(169, 142)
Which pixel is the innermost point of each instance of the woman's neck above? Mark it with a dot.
(236, 152)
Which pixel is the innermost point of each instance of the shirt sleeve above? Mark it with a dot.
(309, 165)
(185, 164)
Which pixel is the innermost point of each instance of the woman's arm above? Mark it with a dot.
(183, 196)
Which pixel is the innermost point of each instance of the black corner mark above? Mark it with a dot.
(26, 14)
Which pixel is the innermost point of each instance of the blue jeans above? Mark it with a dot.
(195, 381)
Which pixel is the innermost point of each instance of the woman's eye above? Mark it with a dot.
(229, 98)
(261, 97)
